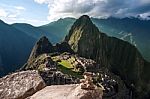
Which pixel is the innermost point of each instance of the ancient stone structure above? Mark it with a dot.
(87, 82)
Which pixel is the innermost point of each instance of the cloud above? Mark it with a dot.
(3, 13)
(11, 12)
(145, 15)
(19, 8)
(95, 8)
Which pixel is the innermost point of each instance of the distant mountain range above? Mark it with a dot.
(16, 40)
(55, 31)
(15, 47)
(133, 30)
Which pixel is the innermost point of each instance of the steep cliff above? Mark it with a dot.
(42, 46)
(118, 56)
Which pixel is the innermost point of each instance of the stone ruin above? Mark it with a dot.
(87, 82)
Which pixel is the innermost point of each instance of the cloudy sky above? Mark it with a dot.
(38, 12)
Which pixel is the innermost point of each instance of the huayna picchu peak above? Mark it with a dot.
(119, 56)
(87, 64)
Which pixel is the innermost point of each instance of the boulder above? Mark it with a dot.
(72, 91)
(20, 85)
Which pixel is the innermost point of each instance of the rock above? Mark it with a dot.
(20, 85)
(72, 91)
(42, 46)
(56, 78)
(119, 56)
(40, 63)
(63, 47)
(87, 82)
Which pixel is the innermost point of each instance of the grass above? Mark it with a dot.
(69, 71)
(66, 64)
(66, 67)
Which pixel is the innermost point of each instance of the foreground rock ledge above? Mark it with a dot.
(20, 85)
(72, 91)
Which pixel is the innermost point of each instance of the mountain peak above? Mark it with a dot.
(42, 46)
(85, 17)
(43, 39)
(82, 29)
(112, 53)
(83, 20)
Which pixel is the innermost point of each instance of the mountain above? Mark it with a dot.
(59, 28)
(55, 31)
(41, 47)
(117, 55)
(117, 66)
(133, 30)
(15, 47)
(58, 65)
(29, 30)
(34, 32)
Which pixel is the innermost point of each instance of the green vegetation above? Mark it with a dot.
(37, 63)
(69, 71)
(67, 67)
(66, 64)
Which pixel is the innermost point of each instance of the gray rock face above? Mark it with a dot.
(67, 92)
(20, 85)
(63, 47)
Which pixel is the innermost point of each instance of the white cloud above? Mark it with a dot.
(3, 13)
(42, 1)
(11, 12)
(145, 16)
(95, 8)
(19, 8)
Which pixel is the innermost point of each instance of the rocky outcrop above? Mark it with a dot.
(40, 63)
(118, 56)
(42, 46)
(63, 47)
(20, 85)
(66, 92)
(85, 90)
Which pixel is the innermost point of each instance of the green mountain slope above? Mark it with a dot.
(133, 30)
(15, 47)
(117, 55)
(59, 28)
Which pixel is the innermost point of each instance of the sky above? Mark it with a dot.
(40, 12)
